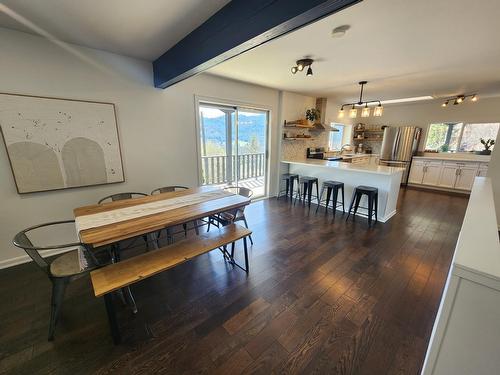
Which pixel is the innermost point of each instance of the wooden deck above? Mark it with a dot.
(323, 296)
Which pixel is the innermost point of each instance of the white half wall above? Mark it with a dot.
(156, 127)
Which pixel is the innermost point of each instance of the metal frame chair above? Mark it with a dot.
(170, 189)
(236, 215)
(60, 271)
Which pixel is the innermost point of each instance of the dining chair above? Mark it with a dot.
(170, 189)
(228, 217)
(61, 270)
(119, 197)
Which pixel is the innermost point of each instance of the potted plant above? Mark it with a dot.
(487, 145)
(312, 115)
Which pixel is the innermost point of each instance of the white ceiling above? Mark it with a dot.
(143, 29)
(404, 48)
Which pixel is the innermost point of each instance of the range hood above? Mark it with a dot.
(321, 107)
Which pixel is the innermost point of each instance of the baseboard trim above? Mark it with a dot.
(25, 258)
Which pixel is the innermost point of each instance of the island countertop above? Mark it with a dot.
(367, 168)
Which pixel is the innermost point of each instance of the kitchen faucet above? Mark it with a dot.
(346, 147)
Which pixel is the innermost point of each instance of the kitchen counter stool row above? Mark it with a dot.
(305, 185)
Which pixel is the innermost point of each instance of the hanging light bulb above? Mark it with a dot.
(365, 111)
(353, 112)
(378, 110)
(309, 71)
(474, 98)
(341, 113)
(294, 69)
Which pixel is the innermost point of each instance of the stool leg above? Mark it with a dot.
(356, 204)
(328, 196)
(291, 187)
(317, 193)
(351, 205)
(320, 197)
(298, 194)
(334, 200)
(343, 208)
(370, 209)
(376, 207)
(287, 188)
(309, 193)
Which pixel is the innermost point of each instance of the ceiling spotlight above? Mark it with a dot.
(301, 65)
(340, 31)
(474, 98)
(445, 103)
(456, 102)
(460, 99)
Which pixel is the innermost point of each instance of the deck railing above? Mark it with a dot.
(218, 170)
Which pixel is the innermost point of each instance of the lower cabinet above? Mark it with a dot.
(445, 174)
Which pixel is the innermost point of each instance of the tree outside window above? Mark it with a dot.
(459, 137)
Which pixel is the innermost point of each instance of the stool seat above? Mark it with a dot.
(368, 189)
(287, 176)
(308, 178)
(333, 183)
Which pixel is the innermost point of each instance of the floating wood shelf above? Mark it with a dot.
(296, 138)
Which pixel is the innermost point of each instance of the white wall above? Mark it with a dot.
(156, 127)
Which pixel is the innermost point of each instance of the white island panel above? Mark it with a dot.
(386, 179)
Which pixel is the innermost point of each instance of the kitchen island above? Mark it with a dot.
(386, 179)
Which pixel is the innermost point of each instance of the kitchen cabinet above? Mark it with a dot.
(446, 174)
(416, 173)
(431, 174)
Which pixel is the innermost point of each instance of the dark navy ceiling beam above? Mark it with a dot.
(238, 27)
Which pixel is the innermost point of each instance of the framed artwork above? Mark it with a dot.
(55, 143)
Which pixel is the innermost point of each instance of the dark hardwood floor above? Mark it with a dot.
(323, 296)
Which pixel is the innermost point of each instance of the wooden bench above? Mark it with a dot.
(119, 275)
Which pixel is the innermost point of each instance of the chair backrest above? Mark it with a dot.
(22, 241)
(168, 189)
(121, 196)
(240, 190)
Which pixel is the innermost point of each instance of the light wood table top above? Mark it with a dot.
(111, 233)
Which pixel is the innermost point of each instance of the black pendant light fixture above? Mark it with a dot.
(456, 100)
(301, 65)
(365, 112)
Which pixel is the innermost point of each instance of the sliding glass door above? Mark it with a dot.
(233, 146)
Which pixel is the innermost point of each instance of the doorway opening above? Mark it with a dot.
(233, 148)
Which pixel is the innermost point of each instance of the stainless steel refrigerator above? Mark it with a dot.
(399, 145)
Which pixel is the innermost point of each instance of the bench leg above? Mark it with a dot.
(113, 324)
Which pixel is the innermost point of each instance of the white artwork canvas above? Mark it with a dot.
(60, 143)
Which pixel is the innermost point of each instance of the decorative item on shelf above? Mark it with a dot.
(487, 145)
(365, 112)
(312, 115)
(360, 126)
(301, 65)
(458, 99)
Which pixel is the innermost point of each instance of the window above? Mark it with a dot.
(336, 138)
(461, 137)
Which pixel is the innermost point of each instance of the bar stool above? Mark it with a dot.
(289, 178)
(332, 187)
(305, 188)
(372, 194)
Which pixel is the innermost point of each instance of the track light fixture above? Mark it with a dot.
(301, 65)
(459, 99)
(365, 112)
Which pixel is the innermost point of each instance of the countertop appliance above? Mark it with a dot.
(319, 153)
(399, 145)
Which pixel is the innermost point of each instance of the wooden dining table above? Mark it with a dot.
(191, 209)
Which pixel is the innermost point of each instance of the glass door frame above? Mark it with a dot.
(237, 105)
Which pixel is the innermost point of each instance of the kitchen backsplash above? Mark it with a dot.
(296, 149)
